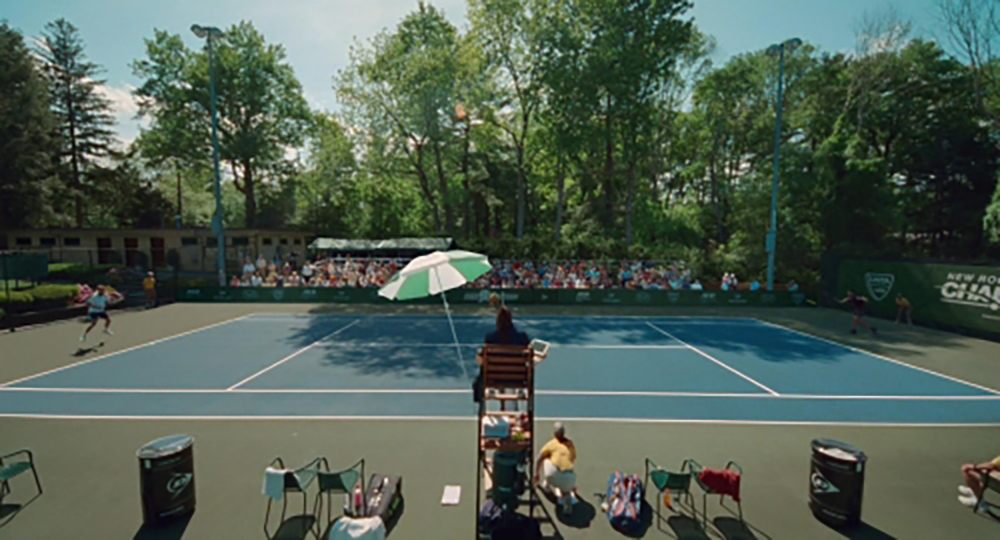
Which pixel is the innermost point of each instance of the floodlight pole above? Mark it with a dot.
(771, 241)
(208, 33)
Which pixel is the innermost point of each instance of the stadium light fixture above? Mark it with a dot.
(211, 33)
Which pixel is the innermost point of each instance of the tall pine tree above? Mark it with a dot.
(82, 114)
(25, 126)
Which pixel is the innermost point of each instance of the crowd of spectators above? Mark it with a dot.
(317, 272)
(507, 274)
(321, 271)
(514, 274)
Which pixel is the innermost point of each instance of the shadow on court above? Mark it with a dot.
(168, 530)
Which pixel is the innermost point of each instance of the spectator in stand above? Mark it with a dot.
(235, 282)
(248, 266)
(261, 263)
(307, 270)
(696, 286)
(256, 280)
(754, 285)
(792, 286)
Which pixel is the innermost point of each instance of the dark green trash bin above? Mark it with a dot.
(836, 482)
(166, 478)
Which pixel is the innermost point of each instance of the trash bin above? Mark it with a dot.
(836, 482)
(166, 477)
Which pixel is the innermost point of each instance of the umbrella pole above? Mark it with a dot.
(454, 335)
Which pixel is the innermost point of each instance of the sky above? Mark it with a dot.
(318, 33)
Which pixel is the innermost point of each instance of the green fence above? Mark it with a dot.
(25, 266)
(521, 296)
(952, 296)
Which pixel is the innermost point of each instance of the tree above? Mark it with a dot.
(401, 90)
(83, 115)
(260, 105)
(503, 30)
(25, 131)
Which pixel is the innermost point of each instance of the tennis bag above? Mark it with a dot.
(384, 498)
(624, 502)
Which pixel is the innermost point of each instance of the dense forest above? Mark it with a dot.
(546, 128)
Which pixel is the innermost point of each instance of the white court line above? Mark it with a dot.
(473, 419)
(89, 360)
(578, 393)
(387, 345)
(706, 355)
(287, 315)
(293, 355)
(880, 357)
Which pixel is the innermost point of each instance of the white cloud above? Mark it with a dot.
(124, 108)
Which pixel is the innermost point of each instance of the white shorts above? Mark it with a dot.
(565, 481)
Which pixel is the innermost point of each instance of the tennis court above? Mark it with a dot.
(250, 382)
(671, 369)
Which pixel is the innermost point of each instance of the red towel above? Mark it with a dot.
(724, 481)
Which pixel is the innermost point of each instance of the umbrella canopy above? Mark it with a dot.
(435, 273)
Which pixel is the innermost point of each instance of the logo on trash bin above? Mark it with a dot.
(821, 485)
(178, 483)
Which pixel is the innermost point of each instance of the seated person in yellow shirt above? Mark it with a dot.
(555, 468)
(975, 482)
(904, 307)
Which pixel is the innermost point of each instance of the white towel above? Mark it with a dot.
(274, 483)
(347, 528)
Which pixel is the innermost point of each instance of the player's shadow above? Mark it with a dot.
(84, 351)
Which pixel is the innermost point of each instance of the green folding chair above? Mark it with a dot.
(11, 468)
(696, 469)
(678, 483)
(296, 481)
(342, 481)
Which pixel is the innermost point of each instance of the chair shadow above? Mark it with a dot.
(9, 511)
(865, 531)
(583, 512)
(168, 530)
(686, 527)
(296, 528)
(733, 529)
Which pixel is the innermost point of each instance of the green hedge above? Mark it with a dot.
(79, 273)
(47, 292)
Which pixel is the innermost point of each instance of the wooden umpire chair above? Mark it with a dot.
(508, 377)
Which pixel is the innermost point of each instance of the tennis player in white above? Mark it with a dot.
(97, 306)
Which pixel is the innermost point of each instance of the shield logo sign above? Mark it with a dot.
(879, 285)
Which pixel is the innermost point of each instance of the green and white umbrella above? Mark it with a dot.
(436, 273)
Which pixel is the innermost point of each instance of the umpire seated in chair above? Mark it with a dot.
(505, 334)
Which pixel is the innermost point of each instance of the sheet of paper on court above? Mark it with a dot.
(451, 495)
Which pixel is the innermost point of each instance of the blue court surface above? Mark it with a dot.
(656, 369)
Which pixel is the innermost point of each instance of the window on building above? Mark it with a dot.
(298, 242)
(23, 241)
(189, 240)
(284, 241)
(71, 241)
(211, 242)
(47, 241)
(266, 241)
(241, 241)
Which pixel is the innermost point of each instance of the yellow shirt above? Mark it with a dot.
(996, 462)
(561, 454)
(149, 283)
(902, 302)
